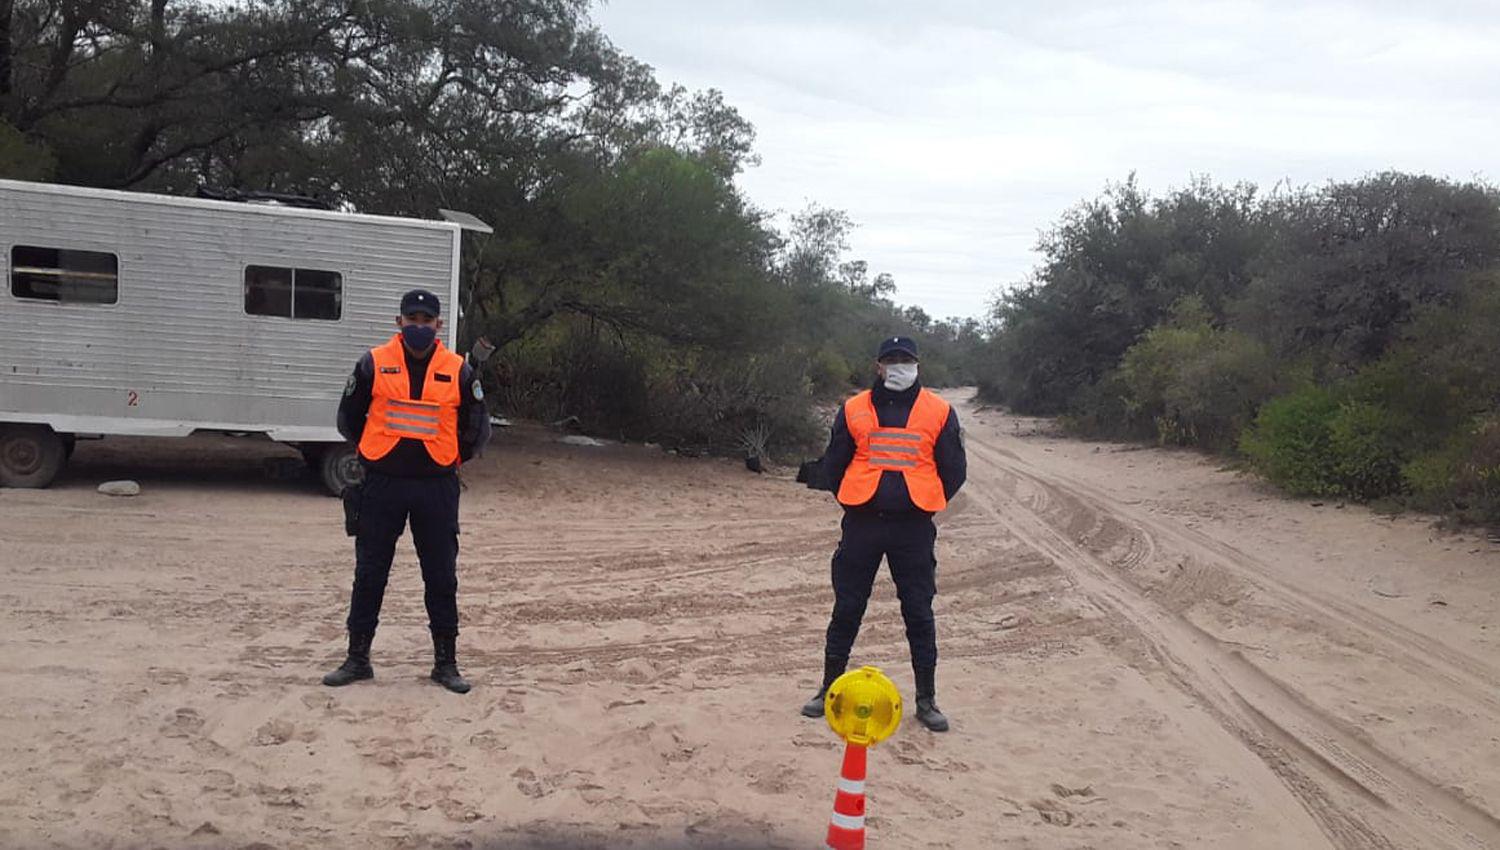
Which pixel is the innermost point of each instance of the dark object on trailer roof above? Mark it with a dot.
(250, 196)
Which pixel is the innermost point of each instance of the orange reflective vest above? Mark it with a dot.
(395, 415)
(907, 450)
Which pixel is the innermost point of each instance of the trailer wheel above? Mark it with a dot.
(30, 455)
(340, 468)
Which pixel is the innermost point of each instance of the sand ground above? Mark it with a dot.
(1140, 650)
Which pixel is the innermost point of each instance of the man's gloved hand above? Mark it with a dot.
(810, 472)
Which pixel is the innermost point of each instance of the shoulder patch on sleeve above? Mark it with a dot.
(349, 386)
(478, 390)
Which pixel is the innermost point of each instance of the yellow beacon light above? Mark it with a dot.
(863, 706)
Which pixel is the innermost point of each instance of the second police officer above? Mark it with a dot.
(895, 459)
(416, 411)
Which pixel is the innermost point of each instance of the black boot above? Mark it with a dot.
(832, 669)
(445, 664)
(357, 665)
(927, 710)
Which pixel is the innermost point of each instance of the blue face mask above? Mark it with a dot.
(418, 338)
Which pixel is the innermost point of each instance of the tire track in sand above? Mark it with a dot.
(1359, 795)
(1418, 654)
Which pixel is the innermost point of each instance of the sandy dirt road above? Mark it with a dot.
(1139, 651)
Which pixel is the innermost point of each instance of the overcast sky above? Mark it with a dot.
(953, 131)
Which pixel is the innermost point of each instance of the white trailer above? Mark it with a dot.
(127, 313)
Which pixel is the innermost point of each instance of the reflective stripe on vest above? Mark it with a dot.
(908, 450)
(886, 442)
(395, 416)
(418, 420)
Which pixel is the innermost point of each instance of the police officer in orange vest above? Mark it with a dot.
(416, 412)
(895, 459)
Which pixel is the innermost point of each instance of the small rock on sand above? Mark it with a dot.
(578, 440)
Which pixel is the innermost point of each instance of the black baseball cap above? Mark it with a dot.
(420, 301)
(892, 344)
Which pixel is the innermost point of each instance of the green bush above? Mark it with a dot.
(1428, 404)
(1366, 451)
(1462, 477)
(1106, 410)
(1318, 442)
(637, 387)
(937, 374)
(1197, 385)
(573, 370)
(830, 373)
(720, 403)
(1289, 442)
(1476, 487)
(1429, 477)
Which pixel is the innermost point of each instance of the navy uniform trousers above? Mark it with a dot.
(905, 541)
(387, 502)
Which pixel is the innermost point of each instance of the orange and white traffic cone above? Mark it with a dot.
(846, 829)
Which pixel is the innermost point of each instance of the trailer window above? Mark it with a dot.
(316, 295)
(64, 274)
(293, 293)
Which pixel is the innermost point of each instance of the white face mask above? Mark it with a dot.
(900, 376)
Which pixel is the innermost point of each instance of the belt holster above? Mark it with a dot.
(352, 495)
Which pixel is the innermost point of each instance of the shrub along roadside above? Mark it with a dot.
(1461, 478)
(1417, 425)
(1291, 442)
(1341, 339)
